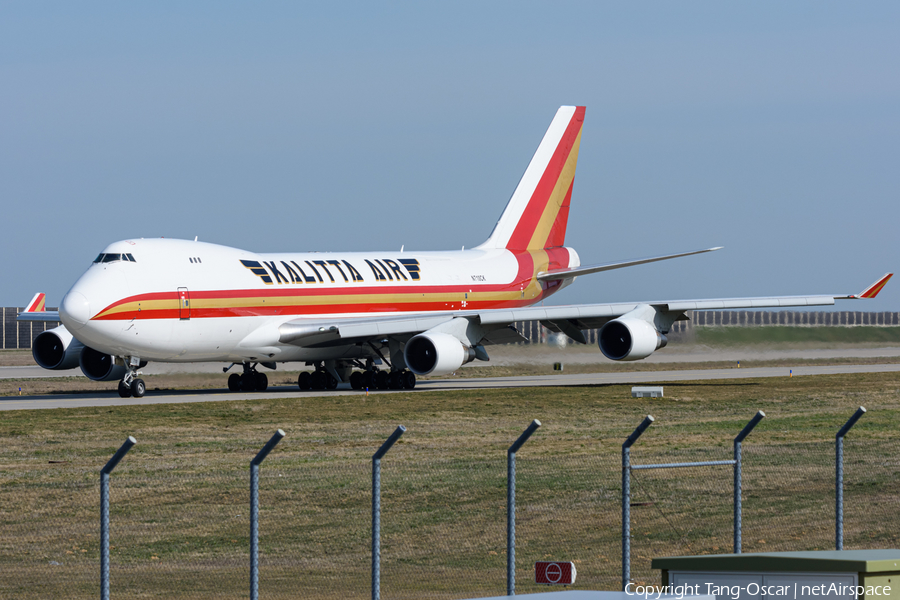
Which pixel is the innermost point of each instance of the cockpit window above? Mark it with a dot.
(105, 258)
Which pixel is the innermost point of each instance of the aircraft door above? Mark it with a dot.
(184, 304)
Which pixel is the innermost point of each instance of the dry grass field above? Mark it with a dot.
(180, 524)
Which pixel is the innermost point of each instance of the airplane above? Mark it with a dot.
(346, 313)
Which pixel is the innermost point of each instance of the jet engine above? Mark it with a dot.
(56, 349)
(99, 366)
(436, 354)
(630, 339)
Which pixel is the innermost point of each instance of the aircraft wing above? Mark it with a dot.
(496, 324)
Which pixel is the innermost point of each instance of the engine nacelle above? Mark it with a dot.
(99, 366)
(630, 339)
(436, 354)
(56, 349)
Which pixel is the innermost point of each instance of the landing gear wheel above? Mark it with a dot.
(368, 380)
(356, 380)
(262, 382)
(248, 382)
(138, 388)
(395, 380)
(234, 382)
(124, 390)
(304, 380)
(317, 380)
(409, 380)
(382, 380)
(330, 382)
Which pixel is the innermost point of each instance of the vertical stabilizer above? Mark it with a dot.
(537, 214)
(36, 304)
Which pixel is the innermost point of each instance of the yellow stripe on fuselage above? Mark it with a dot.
(321, 300)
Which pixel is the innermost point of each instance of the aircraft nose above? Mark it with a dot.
(74, 311)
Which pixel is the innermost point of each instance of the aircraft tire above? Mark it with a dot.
(317, 380)
(248, 382)
(138, 388)
(234, 382)
(262, 382)
(304, 381)
(124, 390)
(330, 382)
(368, 380)
(409, 380)
(356, 380)
(382, 380)
(395, 380)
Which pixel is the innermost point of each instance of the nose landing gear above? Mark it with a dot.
(131, 385)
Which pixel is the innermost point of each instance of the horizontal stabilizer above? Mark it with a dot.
(585, 270)
(47, 316)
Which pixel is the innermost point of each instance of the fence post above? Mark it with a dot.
(376, 510)
(511, 507)
(738, 486)
(254, 511)
(626, 499)
(839, 478)
(104, 514)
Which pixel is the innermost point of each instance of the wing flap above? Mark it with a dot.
(503, 335)
(733, 303)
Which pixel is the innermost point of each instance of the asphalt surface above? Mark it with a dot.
(112, 398)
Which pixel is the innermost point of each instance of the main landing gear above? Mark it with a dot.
(131, 385)
(383, 380)
(317, 380)
(372, 379)
(250, 380)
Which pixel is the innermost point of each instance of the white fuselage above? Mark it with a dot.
(182, 301)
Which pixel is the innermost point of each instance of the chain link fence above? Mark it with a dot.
(179, 524)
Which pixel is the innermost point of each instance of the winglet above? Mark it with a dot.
(872, 290)
(37, 303)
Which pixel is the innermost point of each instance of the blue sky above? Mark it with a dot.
(770, 128)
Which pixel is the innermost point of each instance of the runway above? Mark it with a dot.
(111, 398)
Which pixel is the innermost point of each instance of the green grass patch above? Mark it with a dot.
(757, 336)
(179, 499)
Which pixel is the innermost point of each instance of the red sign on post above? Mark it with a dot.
(554, 573)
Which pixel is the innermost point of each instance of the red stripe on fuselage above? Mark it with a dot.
(525, 276)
